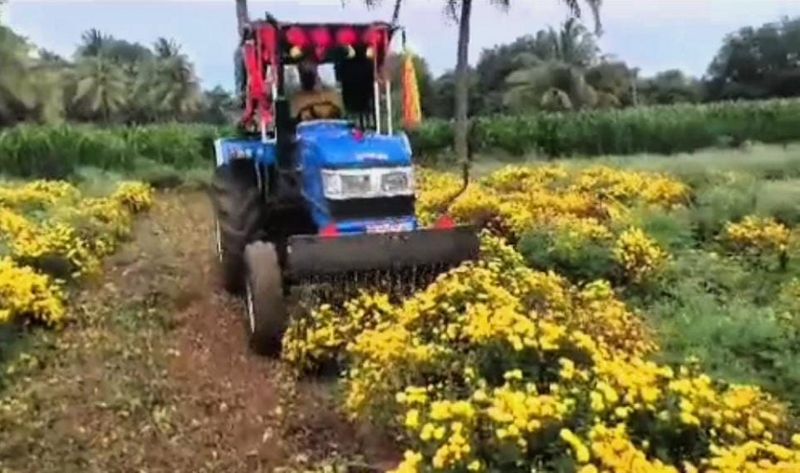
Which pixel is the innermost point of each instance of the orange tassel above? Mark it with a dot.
(412, 111)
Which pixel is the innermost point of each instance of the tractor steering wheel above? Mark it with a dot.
(313, 114)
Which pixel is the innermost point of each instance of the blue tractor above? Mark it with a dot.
(302, 200)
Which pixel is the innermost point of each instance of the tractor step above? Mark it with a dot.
(312, 256)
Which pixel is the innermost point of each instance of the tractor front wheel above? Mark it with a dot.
(266, 312)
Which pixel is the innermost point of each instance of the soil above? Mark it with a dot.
(155, 374)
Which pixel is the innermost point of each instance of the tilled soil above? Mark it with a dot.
(155, 374)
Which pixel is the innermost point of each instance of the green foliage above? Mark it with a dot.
(730, 199)
(670, 87)
(672, 230)
(659, 129)
(57, 152)
(27, 89)
(580, 261)
(736, 341)
(780, 199)
(717, 309)
(110, 81)
(755, 63)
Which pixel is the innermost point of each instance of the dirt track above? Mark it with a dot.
(156, 376)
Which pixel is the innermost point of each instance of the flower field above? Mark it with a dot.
(526, 361)
(52, 235)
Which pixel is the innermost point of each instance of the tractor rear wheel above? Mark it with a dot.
(239, 219)
(265, 308)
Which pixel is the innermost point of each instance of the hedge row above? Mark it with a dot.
(32, 151)
(661, 129)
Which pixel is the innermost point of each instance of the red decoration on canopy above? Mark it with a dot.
(323, 40)
(374, 36)
(346, 36)
(297, 37)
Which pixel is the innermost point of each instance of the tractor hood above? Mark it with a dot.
(337, 145)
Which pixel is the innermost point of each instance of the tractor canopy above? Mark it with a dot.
(357, 51)
(291, 43)
(337, 144)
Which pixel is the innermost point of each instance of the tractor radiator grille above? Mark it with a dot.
(380, 207)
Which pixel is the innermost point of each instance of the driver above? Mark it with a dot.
(314, 101)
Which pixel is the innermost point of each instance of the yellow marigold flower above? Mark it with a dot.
(580, 450)
(412, 419)
(757, 234)
(638, 255)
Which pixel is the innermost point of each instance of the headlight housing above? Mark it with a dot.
(367, 183)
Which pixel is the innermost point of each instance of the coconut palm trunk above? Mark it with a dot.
(462, 83)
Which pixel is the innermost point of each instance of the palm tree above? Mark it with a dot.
(550, 85)
(573, 44)
(16, 92)
(93, 44)
(166, 48)
(174, 88)
(101, 89)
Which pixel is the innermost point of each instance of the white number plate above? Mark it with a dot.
(389, 227)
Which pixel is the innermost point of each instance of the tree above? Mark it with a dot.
(29, 86)
(613, 81)
(573, 44)
(756, 63)
(443, 97)
(174, 90)
(166, 48)
(101, 89)
(93, 43)
(218, 107)
(16, 93)
(552, 85)
(669, 87)
(462, 70)
(494, 66)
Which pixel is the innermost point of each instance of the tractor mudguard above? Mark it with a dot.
(312, 255)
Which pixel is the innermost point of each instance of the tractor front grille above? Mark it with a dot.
(378, 207)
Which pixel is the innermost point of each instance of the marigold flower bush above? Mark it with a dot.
(50, 234)
(497, 367)
(575, 221)
(757, 237)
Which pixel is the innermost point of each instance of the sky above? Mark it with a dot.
(653, 35)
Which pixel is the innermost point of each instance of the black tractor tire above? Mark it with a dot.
(265, 308)
(239, 219)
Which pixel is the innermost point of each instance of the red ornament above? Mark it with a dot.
(373, 36)
(322, 39)
(346, 36)
(297, 37)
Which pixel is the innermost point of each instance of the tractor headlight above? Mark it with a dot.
(331, 184)
(396, 182)
(356, 184)
(367, 183)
